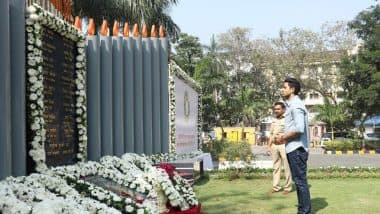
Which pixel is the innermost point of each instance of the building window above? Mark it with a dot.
(244, 135)
(224, 135)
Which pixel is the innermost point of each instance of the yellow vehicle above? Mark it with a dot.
(236, 134)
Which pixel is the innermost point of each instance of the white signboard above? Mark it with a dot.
(186, 119)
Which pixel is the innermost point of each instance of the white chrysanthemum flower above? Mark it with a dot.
(33, 96)
(38, 43)
(30, 47)
(34, 16)
(129, 208)
(31, 9)
(32, 72)
(80, 58)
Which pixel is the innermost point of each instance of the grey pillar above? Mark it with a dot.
(5, 93)
(147, 95)
(106, 94)
(93, 99)
(138, 99)
(164, 78)
(128, 77)
(17, 30)
(117, 89)
(156, 96)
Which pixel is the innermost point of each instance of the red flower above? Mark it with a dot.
(168, 168)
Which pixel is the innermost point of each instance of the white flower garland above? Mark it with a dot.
(36, 18)
(184, 188)
(180, 194)
(40, 193)
(74, 174)
(171, 157)
(65, 188)
(172, 114)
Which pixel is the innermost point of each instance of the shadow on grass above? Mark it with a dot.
(203, 180)
(318, 204)
(224, 195)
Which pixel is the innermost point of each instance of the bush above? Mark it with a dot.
(214, 147)
(238, 151)
(353, 144)
(340, 145)
(372, 144)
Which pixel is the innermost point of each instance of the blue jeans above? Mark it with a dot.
(297, 162)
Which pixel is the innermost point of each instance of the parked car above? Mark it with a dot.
(371, 136)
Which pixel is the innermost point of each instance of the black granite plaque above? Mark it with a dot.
(61, 143)
(114, 187)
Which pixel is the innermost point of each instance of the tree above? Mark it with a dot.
(211, 75)
(361, 71)
(250, 92)
(188, 52)
(332, 114)
(131, 11)
(236, 46)
(311, 57)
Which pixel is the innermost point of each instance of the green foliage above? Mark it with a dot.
(332, 114)
(188, 52)
(237, 151)
(214, 147)
(212, 78)
(339, 145)
(131, 11)
(361, 74)
(372, 144)
(249, 90)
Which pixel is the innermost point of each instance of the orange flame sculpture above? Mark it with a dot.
(78, 23)
(161, 32)
(153, 32)
(144, 31)
(104, 28)
(115, 30)
(91, 27)
(126, 30)
(136, 30)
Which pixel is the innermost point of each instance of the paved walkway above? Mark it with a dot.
(318, 159)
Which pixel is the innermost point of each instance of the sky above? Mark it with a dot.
(203, 18)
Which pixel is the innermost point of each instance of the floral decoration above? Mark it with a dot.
(67, 189)
(39, 193)
(175, 70)
(156, 159)
(76, 175)
(36, 19)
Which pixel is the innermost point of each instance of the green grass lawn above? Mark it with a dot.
(341, 195)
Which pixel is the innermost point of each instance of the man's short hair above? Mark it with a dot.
(293, 83)
(279, 103)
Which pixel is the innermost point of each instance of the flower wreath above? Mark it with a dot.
(75, 174)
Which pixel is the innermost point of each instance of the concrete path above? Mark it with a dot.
(318, 159)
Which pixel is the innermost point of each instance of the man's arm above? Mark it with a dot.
(298, 115)
(270, 142)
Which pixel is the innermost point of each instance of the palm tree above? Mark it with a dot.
(330, 114)
(147, 12)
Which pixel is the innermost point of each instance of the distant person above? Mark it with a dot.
(296, 136)
(277, 149)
